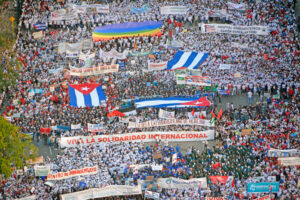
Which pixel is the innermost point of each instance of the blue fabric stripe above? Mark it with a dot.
(175, 60)
(169, 99)
(101, 94)
(202, 59)
(190, 59)
(87, 100)
(72, 96)
(129, 28)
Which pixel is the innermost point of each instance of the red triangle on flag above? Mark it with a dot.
(85, 88)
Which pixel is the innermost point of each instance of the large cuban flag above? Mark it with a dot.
(172, 102)
(189, 60)
(86, 95)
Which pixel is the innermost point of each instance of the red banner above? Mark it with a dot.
(219, 179)
(45, 130)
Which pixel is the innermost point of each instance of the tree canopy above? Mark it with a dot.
(15, 148)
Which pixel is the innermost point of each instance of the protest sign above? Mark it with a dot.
(166, 114)
(94, 70)
(289, 161)
(176, 183)
(234, 29)
(175, 136)
(73, 173)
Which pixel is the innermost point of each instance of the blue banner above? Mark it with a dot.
(263, 187)
(65, 128)
(36, 91)
(144, 8)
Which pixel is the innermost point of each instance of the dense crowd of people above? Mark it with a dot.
(266, 66)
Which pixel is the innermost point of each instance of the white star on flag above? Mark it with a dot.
(85, 89)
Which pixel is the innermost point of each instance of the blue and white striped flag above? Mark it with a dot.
(189, 60)
(40, 26)
(86, 95)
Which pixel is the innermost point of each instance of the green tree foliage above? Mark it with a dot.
(15, 148)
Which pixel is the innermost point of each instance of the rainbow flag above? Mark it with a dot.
(129, 29)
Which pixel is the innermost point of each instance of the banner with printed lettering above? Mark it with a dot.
(215, 198)
(234, 29)
(193, 80)
(113, 53)
(262, 187)
(63, 15)
(144, 8)
(91, 8)
(174, 136)
(73, 173)
(95, 127)
(289, 161)
(225, 66)
(236, 6)
(157, 66)
(173, 10)
(166, 114)
(75, 48)
(267, 197)
(176, 183)
(94, 70)
(168, 122)
(86, 59)
(75, 126)
(41, 170)
(283, 153)
(107, 191)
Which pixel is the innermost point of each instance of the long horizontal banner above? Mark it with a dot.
(172, 102)
(173, 10)
(91, 8)
(166, 114)
(267, 197)
(283, 153)
(214, 198)
(176, 183)
(157, 66)
(289, 161)
(94, 70)
(108, 191)
(167, 122)
(113, 54)
(193, 80)
(263, 187)
(32, 197)
(95, 127)
(73, 173)
(234, 29)
(176, 136)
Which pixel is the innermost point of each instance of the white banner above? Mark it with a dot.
(157, 167)
(75, 126)
(94, 70)
(95, 127)
(175, 136)
(41, 170)
(91, 8)
(176, 183)
(64, 47)
(193, 80)
(73, 173)
(173, 10)
(267, 197)
(32, 197)
(157, 66)
(166, 114)
(290, 161)
(63, 14)
(235, 6)
(234, 29)
(113, 54)
(225, 66)
(238, 45)
(108, 191)
(168, 122)
(283, 153)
